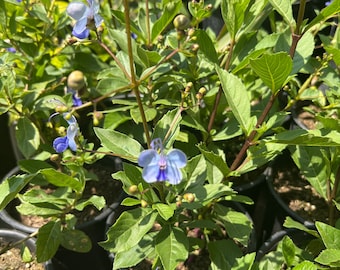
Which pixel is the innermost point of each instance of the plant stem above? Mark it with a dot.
(333, 197)
(17, 243)
(147, 18)
(132, 71)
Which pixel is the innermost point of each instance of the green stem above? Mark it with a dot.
(132, 71)
(17, 243)
(333, 197)
(147, 18)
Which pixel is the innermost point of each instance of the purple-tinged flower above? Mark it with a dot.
(11, 50)
(159, 166)
(84, 16)
(328, 3)
(60, 144)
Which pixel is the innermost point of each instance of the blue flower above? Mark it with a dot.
(84, 16)
(60, 144)
(328, 3)
(11, 50)
(159, 166)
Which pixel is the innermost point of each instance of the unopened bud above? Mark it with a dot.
(54, 157)
(195, 47)
(76, 80)
(61, 108)
(189, 197)
(181, 22)
(133, 189)
(68, 116)
(143, 203)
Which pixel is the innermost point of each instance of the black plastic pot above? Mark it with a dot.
(12, 236)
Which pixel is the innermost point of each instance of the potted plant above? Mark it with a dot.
(167, 98)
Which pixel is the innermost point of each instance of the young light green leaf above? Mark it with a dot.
(325, 14)
(172, 246)
(291, 223)
(233, 13)
(170, 10)
(129, 229)
(60, 179)
(330, 235)
(97, 201)
(237, 97)
(48, 240)
(169, 122)
(305, 265)
(27, 135)
(330, 257)
(245, 262)
(304, 51)
(273, 69)
(112, 140)
(164, 210)
(284, 8)
(288, 250)
(150, 114)
(76, 240)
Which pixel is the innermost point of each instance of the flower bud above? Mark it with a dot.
(54, 157)
(133, 189)
(181, 22)
(61, 108)
(189, 197)
(76, 80)
(143, 203)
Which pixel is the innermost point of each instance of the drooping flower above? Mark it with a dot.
(60, 144)
(159, 166)
(85, 16)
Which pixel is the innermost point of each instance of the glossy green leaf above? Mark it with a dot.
(284, 8)
(325, 14)
(48, 240)
(233, 13)
(305, 265)
(10, 187)
(170, 10)
(330, 257)
(314, 165)
(44, 209)
(237, 224)
(150, 114)
(237, 97)
(76, 240)
(112, 140)
(60, 179)
(97, 201)
(246, 262)
(164, 210)
(28, 138)
(128, 258)
(290, 223)
(169, 122)
(129, 229)
(32, 165)
(172, 246)
(108, 85)
(273, 69)
(223, 254)
(288, 250)
(206, 45)
(330, 235)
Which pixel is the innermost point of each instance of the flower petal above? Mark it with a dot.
(82, 35)
(60, 144)
(148, 157)
(80, 26)
(174, 175)
(177, 158)
(77, 10)
(151, 173)
(98, 19)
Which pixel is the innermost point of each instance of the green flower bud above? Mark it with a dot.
(181, 22)
(76, 80)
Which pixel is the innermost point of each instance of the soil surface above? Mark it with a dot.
(11, 260)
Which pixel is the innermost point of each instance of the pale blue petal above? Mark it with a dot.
(72, 131)
(98, 20)
(150, 173)
(177, 158)
(148, 157)
(82, 35)
(70, 121)
(80, 25)
(77, 10)
(72, 144)
(174, 175)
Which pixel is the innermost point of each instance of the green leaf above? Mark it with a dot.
(170, 120)
(172, 246)
(130, 202)
(290, 223)
(223, 254)
(330, 257)
(76, 240)
(28, 138)
(237, 224)
(325, 14)
(288, 250)
(330, 235)
(215, 159)
(245, 262)
(112, 140)
(10, 187)
(304, 51)
(97, 201)
(305, 265)
(108, 85)
(170, 10)
(164, 210)
(233, 13)
(60, 179)
(33, 166)
(150, 114)
(206, 45)
(273, 69)
(129, 229)
(284, 8)
(314, 165)
(237, 97)
(44, 209)
(128, 258)
(48, 240)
